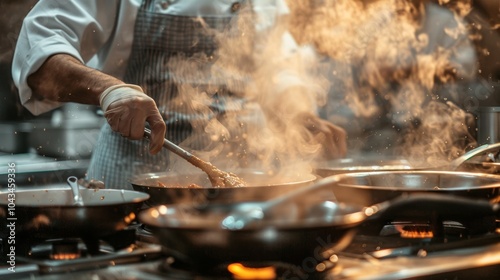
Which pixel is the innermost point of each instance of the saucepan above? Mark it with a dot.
(194, 186)
(51, 212)
(292, 231)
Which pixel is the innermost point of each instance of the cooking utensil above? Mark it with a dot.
(194, 234)
(217, 177)
(260, 186)
(73, 184)
(368, 188)
(50, 212)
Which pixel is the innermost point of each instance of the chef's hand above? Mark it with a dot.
(333, 138)
(126, 108)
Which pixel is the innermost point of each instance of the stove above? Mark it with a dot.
(395, 250)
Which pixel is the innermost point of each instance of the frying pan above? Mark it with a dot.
(195, 234)
(364, 164)
(50, 213)
(368, 188)
(259, 186)
(472, 161)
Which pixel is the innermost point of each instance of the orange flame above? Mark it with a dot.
(240, 271)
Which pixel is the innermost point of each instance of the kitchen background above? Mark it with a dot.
(46, 148)
(49, 147)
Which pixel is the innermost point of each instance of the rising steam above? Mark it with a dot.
(373, 56)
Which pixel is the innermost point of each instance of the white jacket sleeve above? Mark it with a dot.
(82, 29)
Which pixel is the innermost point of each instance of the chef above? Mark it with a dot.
(118, 54)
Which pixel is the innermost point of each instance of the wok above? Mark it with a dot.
(368, 188)
(259, 186)
(195, 234)
(50, 213)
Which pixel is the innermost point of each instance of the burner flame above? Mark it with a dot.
(240, 271)
(414, 231)
(65, 256)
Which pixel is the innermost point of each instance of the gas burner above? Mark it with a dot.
(30, 247)
(74, 254)
(134, 253)
(395, 245)
(173, 268)
(448, 229)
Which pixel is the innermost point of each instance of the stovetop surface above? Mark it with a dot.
(478, 262)
(451, 256)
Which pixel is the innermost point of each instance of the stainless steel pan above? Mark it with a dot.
(51, 213)
(474, 160)
(368, 188)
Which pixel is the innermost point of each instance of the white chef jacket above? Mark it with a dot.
(100, 34)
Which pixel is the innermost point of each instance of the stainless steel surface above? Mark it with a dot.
(488, 125)
(15, 137)
(451, 265)
(67, 141)
(32, 170)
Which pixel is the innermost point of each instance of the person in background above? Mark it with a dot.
(119, 55)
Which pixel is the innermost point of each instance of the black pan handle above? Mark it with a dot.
(446, 206)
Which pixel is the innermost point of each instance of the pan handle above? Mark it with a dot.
(456, 163)
(445, 206)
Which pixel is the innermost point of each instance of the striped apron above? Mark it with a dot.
(159, 41)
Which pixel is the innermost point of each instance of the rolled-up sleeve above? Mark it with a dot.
(78, 28)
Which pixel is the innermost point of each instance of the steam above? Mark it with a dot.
(387, 66)
(373, 53)
(273, 83)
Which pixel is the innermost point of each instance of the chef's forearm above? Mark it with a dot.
(63, 78)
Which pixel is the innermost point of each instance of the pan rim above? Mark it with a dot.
(343, 176)
(347, 220)
(141, 197)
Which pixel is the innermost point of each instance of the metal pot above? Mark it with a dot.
(196, 235)
(50, 213)
(368, 188)
(260, 186)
